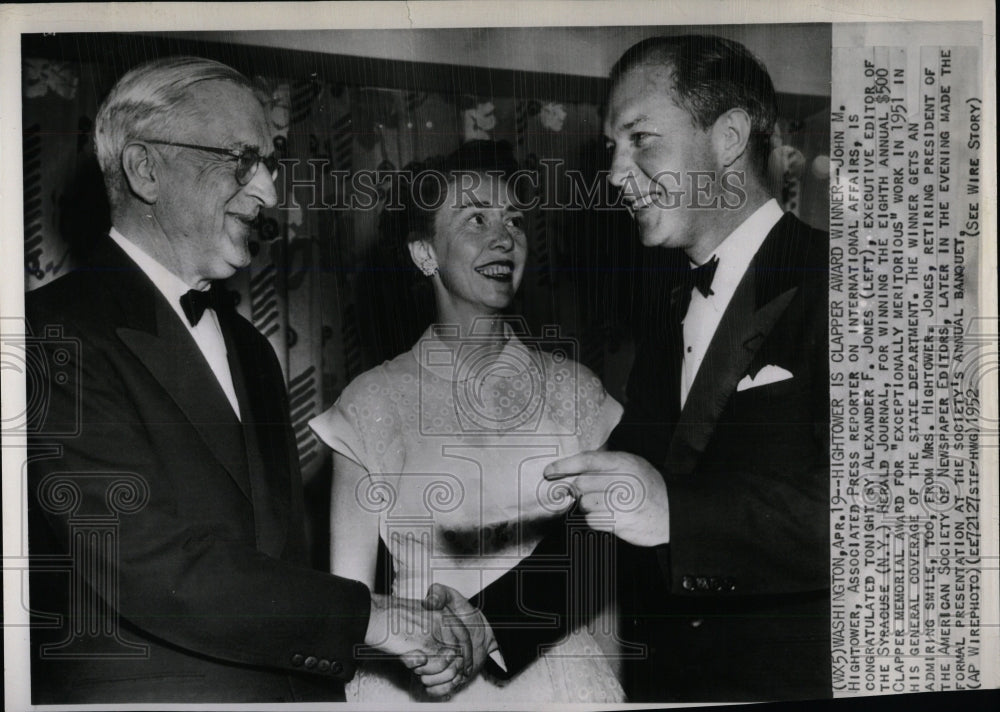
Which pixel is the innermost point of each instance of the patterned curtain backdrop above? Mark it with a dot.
(61, 177)
(333, 295)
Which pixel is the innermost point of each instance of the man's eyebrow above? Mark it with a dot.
(475, 202)
(632, 124)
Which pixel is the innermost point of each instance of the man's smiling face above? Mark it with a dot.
(657, 154)
(201, 208)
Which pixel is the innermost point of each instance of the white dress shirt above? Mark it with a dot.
(207, 334)
(705, 313)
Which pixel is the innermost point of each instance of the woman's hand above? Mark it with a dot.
(445, 599)
(432, 642)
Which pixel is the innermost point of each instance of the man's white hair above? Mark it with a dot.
(146, 103)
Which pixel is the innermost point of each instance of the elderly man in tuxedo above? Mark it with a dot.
(165, 468)
(726, 425)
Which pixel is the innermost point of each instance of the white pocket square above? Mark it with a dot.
(768, 374)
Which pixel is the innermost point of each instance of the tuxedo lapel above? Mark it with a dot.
(761, 297)
(152, 331)
(262, 460)
(674, 348)
(739, 335)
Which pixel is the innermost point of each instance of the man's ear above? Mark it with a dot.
(422, 254)
(140, 168)
(731, 136)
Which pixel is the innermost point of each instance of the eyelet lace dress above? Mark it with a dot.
(454, 441)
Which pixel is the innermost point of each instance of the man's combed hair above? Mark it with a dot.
(712, 75)
(148, 102)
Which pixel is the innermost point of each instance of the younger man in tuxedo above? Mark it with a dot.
(726, 425)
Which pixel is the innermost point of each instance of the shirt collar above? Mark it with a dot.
(738, 249)
(169, 284)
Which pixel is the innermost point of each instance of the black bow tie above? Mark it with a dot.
(699, 278)
(195, 302)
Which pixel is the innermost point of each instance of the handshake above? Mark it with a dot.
(442, 639)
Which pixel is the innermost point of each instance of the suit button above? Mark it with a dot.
(310, 662)
(687, 583)
(696, 622)
(730, 584)
(336, 668)
(297, 660)
(701, 583)
(324, 666)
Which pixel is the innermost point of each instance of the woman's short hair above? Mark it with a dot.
(712, 75)
(147, 103)
(424, 188)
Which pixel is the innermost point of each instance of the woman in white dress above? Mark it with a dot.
(440, 451)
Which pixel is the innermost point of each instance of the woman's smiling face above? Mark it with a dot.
(479, 244)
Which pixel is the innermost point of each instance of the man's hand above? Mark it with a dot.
(619, 493)
(457, 611)
(440, 597)
(433, 641)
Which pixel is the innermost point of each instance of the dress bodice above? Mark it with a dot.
(454, 440)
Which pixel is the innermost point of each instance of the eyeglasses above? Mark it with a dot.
(247, 159)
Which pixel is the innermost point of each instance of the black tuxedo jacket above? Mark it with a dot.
(199, 551)
(736, 607)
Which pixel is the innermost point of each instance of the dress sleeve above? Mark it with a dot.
(358, 425)
(598, 413)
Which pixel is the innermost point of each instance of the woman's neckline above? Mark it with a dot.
(449, 357)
